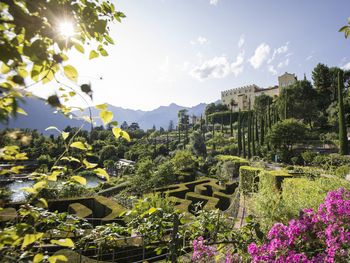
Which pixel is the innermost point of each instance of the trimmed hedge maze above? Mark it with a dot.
(97, 209)
(206, 192)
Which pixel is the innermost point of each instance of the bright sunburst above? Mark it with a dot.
(66, 29)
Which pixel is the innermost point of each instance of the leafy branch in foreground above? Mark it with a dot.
(33, 46)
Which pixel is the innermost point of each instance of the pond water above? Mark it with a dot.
(19, 195)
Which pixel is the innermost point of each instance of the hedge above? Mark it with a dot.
(208, 202)
(237, 161)
(279, 176)
(248, 179)
(299, 193)
(79, 210)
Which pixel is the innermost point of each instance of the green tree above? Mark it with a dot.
(286, 133)
(197, 144)
(322, 79)
(184, 161)
(300, 101)
(343, 138)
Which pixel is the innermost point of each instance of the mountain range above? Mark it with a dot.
(40, 115)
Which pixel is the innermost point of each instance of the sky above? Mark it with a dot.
(188, 51)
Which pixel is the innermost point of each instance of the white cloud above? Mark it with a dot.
(237, 66)
(213, 2)
(241, 41)
(281, 50)
(284, 63)
(199, 41)
(272, 69)
(309, 57)
(346, 66)
(260, 55)
(217, 67)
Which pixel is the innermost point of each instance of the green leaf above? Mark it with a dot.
(78, 145)
(93, 54)
(53, 176)
(79, 179)
(40, 185)
(120, 133)
(101, 106)
(106, 116)
(4, 69)
(16, 169)
(103, 52)
(89, 165)
(38, 258)
(21, 111)
(343, 28)
(79, 47)
(31, 238)
(43, 202)
(102, 172)
(152, 210)
(70, 72)
(29, 190)
(113, 123)
(53, 259)
(65, 135)
(109, 39)
(116, 132)
(67, 242)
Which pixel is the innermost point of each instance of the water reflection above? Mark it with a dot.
(19, 195)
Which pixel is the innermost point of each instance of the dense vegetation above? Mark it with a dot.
(226, 187)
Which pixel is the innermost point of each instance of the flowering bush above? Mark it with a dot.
(322, 236)
(202, 252)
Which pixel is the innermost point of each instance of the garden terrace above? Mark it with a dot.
(206, 191)
(97, 210)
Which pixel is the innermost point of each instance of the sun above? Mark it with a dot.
(66, 29)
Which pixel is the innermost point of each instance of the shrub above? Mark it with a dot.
(342, 171)
(237, 162)
(299, 193)
(308, 156)
(248, 179)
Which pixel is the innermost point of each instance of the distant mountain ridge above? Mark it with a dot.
(41, 115)
(160, 117)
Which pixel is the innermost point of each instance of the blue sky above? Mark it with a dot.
(188, 51)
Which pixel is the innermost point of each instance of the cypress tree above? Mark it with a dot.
(343, 140)
(239, 133)
(256, 128)
(222, 123)
(253, 134)
(249, 135)
(243, 137)
(262, 126)
(269, 116)
(231, 125)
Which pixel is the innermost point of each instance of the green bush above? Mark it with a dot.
(272, 205)
(299, 193)
(237, 162)
(308, 156)
(342, 171)
(248, 179)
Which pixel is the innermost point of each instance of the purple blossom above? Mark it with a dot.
(322, 236)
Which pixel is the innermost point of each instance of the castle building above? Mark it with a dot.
(244, 97)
